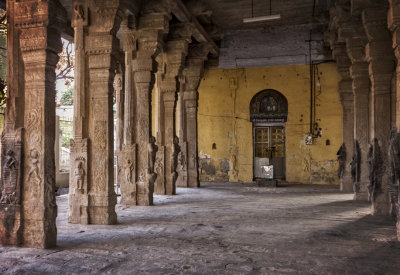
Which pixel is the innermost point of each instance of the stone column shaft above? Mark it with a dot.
(92, 198)
(192, 73)
(347, 100)
(167, 82)
(139, 149)
(353, 33)
(394, 25)
(27, 206)
(380, 56)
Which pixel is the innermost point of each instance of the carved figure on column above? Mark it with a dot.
(355, 167)
(394, 172)
(128, 171)
(175, 153)
(375, 169)
(79, 174)
(342, 160)
(194, 160)
(159, 167)
(181, 162)
(152, 152)
(33, 174)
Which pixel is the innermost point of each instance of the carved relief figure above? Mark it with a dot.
(181, 162)
(128, 171)
(33, 174)
(375, 169)
(8, 198)
(194, 160)
(159, 167)
(79, 175)
(10, 163)
(141, 177)
(394, 172)
(152, 152)
(355, 167)
(342, 160)
(79, 13)
(175, 152)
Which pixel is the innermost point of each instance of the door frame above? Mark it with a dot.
(258, 124)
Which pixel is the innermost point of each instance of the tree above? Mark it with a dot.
(67, 98)
(65, 66)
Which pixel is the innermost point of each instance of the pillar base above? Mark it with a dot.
(361, 196)
(126, 174)
(10, 227)
(159, 169)
(145, 190)
(346, 184)
(78, 209)
(40, 234)
(381, 204)
(193, 181)
(102, 210)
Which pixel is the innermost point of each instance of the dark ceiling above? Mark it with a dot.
(229, 14)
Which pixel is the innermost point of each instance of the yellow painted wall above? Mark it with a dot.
(224, 119)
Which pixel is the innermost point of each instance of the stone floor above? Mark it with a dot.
(223, 229)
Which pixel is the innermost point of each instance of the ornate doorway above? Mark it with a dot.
(268, 112)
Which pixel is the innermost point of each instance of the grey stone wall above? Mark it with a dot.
(282, 45)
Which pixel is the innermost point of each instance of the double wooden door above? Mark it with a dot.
(269, 150)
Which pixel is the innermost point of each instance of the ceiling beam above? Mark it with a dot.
(182, 13)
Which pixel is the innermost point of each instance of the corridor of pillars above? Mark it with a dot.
(135, 50)
(113, 54)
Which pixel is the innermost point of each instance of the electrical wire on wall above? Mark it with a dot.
(315, 131)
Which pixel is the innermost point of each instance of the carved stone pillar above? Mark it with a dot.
(139, 149)
(28, 208)
(380, 56)
(353, 33)
(119, 102)
(394, 25)
(192, 75)
(171, 67)
(347, 100)
(126, 172)
(92, 198)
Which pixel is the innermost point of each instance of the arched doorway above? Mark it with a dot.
(268, 112)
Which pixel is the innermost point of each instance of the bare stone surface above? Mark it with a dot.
(224, 229)
(380, 56)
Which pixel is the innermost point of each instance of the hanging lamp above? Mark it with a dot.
(269, 17)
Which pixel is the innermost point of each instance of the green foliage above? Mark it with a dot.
(67, 98)
(65, 142)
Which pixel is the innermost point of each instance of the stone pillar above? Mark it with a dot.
(353, 33)
(167, 83)
(126, 171)
(394, 25)
(139, 148)
(27, 206)
(119, 102)
(92, 198)
(192, 75)
(347, 100)
(380, 56)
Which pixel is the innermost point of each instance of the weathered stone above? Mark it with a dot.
(192, 74)
(394, 26)
(27, 205)
(170, 68)
(351, 31)
(92, 157)
(147, 45)
(380, 56)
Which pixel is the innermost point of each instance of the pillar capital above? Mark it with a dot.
(394, 14)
